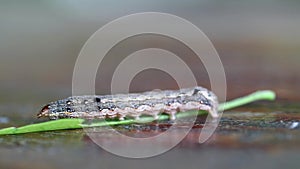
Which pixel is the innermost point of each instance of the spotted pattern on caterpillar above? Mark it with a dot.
(133, 104)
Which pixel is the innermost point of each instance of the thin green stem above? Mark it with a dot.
(63, 124)
(258, 95)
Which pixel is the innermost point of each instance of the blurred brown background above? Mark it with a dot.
(258, 43)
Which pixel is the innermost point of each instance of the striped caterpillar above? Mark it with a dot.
(133, 104)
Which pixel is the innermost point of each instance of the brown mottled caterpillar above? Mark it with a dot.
(133, 104)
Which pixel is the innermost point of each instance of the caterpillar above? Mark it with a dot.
(133, 104)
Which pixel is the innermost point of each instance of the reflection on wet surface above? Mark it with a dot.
(242, 137)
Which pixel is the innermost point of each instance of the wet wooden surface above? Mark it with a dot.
(261, 132)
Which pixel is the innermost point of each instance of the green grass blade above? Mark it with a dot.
(44, 126)
(258, 95)
(63, 124)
